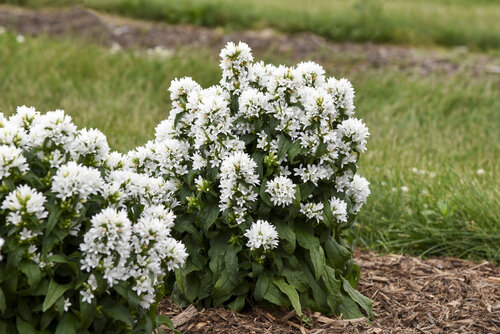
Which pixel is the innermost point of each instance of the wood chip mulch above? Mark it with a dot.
(410, 295)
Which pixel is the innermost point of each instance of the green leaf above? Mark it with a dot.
(334, 298)
(87, 312)
(261, 286)
(284, 145)
(296, 278)
(54, 215)
(24, 327)
(231, 259)
(164, 320)
(286, 232)
(3, 305)
(337, 255)
(361, 300)
(67, 325)
(318, 261)
(208, 215)
(349, 309)
(292, 294)
(223, 288)
(53, 293)
(294, 150)
(117, 311)
(237, 304)
(274, 295)
(32, 272)
(264, 195)
(297, 199)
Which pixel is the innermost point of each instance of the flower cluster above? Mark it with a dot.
(269, 150)
(74, 212)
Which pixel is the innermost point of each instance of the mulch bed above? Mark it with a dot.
(410, 295)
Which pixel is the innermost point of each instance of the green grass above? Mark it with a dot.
(473, 23)
(441, 123)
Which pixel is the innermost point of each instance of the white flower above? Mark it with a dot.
(74, 179)
(263, 235)
(237, 183)
(405, 189)
(480, 172)
(11, 158)
(355, 130)
(312, 210)
(358, 190)
(25, 201)
(87, 296)
(312, 74)
(20, 39)
(2, 241)
(282, 191)
(252, 102)
(107, 243)
(56, 126)
(90, 142)
(339, 209)
(24, 117)
(343, 94)
(67, 304)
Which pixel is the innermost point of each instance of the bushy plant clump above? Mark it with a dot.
(265, 165)
(85, 241)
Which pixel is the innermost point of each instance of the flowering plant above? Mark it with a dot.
(85, 241)
(265, 171)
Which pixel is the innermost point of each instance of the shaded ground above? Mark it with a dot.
(127, 33)
(410, 295)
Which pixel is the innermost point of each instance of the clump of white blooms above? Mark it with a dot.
(90, 144)
(339, 209)
(237, 184)
(62, 190)
(73, 180)
(262, 235)
(269, 148)
(282, 191)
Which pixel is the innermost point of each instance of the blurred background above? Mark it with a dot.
(426, 74)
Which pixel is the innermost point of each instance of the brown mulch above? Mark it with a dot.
(127, 33)
(410, 295)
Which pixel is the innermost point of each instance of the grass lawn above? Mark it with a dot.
(473, 23)
(430, 135)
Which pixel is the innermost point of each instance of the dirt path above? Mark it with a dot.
(410, 295)
(118, 32)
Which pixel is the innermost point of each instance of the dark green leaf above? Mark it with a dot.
(24, 327)
(164, 320)
(349, 309)
(67, 325)
(334, 298)
(3, 305)
(274, 295)
(87, 311)
(117, 311)
(32, 272)
(237, 304)
(53, 293)
(284, 145)
(292, 294)
(294, 150)
(361, 300)
(285, 232)
(208, 215)
(261, 286)
(52, 220)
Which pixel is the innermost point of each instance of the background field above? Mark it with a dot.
(430, 133)
(473, 23)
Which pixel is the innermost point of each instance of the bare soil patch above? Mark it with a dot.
(410, 295)
(127, 33)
